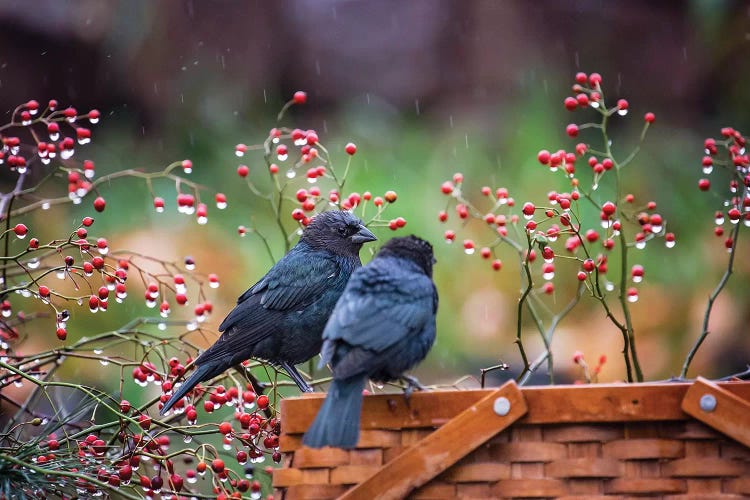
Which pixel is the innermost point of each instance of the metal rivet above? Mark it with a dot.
(501, 406)
(708, 402)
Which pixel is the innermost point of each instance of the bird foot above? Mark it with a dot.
(411, 384)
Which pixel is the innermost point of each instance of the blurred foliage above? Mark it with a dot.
(491, 132)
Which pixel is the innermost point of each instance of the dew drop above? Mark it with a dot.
(21, 170)
(708, 169)
(283, 157)
(637, 279)
(66, 154)
(60, 275)
(202, 220)
(467, 251)
(595, 186)
(609, 286)
(221, 205)
(33, 263)
(312, 180)
(640, 245)
(548, 276)
(291, 173)
(25, 122)
(622, 112)
(54, 136)
(657, 229)
(45, 161)
(188, 438)
(84, 140)
(632, 298)
(670, 244)
(594, 104)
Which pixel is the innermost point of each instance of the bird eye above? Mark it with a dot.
(342, 230)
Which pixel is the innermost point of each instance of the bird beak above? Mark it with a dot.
(363, 235)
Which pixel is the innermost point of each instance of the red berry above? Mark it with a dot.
(262, 401)
(649, 117)
(350, 148)
(543, 157)
(99, 204)
(447, 187)
(528, 209)
(300, 97)
(583, 100)
(581, 78)
(20, 230)
(595, 79)
(243, 170)
(570, 103)
(572, 130)
(609, 208)
(217, 465)
(704, 184)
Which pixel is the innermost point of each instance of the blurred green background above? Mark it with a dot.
(424, 89)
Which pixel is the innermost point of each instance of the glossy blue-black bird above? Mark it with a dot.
(382, 326)
(281, 318)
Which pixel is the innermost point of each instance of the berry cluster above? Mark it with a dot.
(129, 449)
(297, 161)
(544, 233)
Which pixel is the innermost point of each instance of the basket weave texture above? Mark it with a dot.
(596, 442)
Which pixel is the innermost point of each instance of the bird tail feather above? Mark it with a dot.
(337, 422)
(200, 374)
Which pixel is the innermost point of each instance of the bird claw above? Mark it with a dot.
(411, 384)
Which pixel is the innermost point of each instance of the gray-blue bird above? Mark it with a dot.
(281, 318)
(382, 326)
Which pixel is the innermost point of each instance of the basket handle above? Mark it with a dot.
(718, 408)
(447, 445)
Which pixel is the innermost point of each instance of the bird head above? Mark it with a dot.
(338, 231)
(413, 248)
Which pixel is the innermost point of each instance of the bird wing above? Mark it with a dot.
(380, 307)
(295, 282)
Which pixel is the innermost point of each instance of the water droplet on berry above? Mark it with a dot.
(283, 157)
(469, 251)
(187, 438)
(33, 263)
(202, 220)
(707, 169)
(67, 154)
(221, 205)
(192, 326)
(548, 276)
(54, 136)
(657, 229)
(45, 161)
(622, 112)
(21, 170)
(104, 361)
(632, 298)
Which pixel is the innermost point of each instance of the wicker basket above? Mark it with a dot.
(671, 441)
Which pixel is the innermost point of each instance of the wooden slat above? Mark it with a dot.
(442, 448)
(547, 405)
(585, 467)
(529, 488)
(704, 467)
(731, 415)
(643, 449)
(650, 486)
